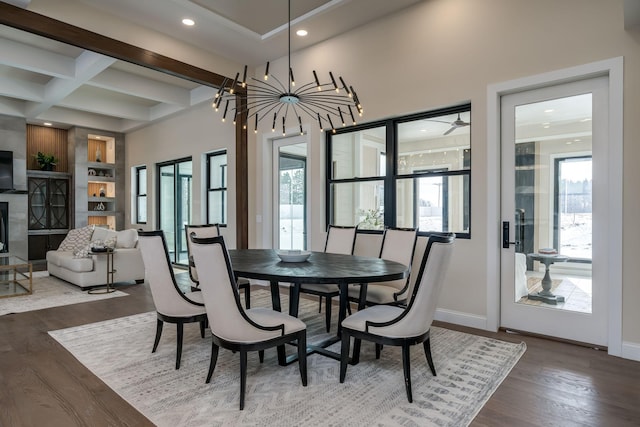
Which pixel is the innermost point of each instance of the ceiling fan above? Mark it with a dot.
(457, 123)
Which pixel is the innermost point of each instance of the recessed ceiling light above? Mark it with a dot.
(188, 22)
(550, 110)
(302, 33)
(47, 124)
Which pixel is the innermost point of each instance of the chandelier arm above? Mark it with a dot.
(262, 83)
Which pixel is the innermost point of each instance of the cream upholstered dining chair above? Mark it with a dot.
(398, 244)
(172, 305)
(340, 240)
(395, 325)
(210, 230)
(234, 328)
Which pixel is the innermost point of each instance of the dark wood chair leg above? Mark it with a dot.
(344, 354)
(362, 299)
(243, 376)
(378, 350)
(180, 328)
(202, 326)
(406, 365)
(247, 296)
(261, 356)
(158, 335)
(302, 356)
(427, 352)
(214, 359)
(319, 304)
(328, 313)
(282, 355)
(356, 351)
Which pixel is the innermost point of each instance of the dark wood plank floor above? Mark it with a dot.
(554, 384)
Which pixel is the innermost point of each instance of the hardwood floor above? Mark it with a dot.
(554, 384)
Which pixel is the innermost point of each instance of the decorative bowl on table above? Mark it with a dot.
(295, 255)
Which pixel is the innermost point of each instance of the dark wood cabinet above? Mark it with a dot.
(49, 214)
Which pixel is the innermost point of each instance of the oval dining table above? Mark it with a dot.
(319, 268)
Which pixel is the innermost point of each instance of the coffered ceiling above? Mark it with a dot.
(48, 81)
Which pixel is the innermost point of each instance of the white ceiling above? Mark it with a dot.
(47, 81)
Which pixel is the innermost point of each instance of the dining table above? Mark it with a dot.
(318, 268)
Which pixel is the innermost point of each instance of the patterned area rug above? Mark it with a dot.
(469, 367)
(50, 292)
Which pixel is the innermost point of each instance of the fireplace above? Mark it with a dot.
(4, 227)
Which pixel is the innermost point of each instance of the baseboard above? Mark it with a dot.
(463, 319)
(630, 350)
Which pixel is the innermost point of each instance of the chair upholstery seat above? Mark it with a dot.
(376, 293)
(320, 288)
(376, 313)
(267, 317)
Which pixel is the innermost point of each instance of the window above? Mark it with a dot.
(141, 194)
(412, 171)
(217, 187)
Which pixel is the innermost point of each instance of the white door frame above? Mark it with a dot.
(613, 68)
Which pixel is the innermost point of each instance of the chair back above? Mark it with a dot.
(340, 240)
(227, 318)
(201, 230)
(398, 244)
(418, 316)
(167, 296)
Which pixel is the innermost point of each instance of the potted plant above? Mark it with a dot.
(45, 161)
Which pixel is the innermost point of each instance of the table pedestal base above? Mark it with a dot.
(548, 298)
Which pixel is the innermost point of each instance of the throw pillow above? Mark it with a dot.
(76, 239)
(127, 239)
(83, 252)
(110, 242)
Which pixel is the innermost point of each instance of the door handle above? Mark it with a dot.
(505, 236)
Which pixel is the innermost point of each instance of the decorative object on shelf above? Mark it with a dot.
(98, 155)
(93, 195)
(91, 172)
(320, 101)
(45, 161)
(102, 194)
(99, 207)
(101, 173)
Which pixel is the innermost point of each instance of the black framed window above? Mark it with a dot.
(141, 194)
(217, 188)
(410, 171)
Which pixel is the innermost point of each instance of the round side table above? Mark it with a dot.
(545, 294)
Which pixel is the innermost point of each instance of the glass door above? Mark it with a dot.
(174, 205)
(553, 279)
(291, 183)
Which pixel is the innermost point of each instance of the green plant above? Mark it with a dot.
(372, 219)
(45, 161)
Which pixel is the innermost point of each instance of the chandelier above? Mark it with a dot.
(268, 98)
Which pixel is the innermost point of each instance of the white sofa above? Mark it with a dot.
(72, 263)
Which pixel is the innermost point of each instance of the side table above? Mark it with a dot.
(545, 294)
(108, 288)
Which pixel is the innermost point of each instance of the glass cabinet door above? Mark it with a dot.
(37, 203)
(58, 204)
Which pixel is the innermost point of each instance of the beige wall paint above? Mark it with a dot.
(445, 52)
(192, 133)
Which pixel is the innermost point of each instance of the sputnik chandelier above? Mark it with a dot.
(326, 103)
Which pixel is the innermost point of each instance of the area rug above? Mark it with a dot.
(469, 367)
(50, 292)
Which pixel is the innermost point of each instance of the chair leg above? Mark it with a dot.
(302, 356)
(406, 364)
(158, 334)
(180, 328)
(427, 352)
(214, 359)
(243, 376)
(319, 304)
(328, 313)
(261, 356)
(344, 354)
(356, 350)
(202, 326)
(378, 350)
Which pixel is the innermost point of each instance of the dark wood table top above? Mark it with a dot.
(320, 267)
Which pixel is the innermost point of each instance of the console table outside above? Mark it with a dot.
(14, 286)
(545, 294)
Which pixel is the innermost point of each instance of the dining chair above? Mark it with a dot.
(398, 244)
(394, 325)
(340, 240)
(172, 305)
(233, 327)
(210, 230)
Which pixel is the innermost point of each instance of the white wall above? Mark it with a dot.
(192, 133)
(446, 52)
